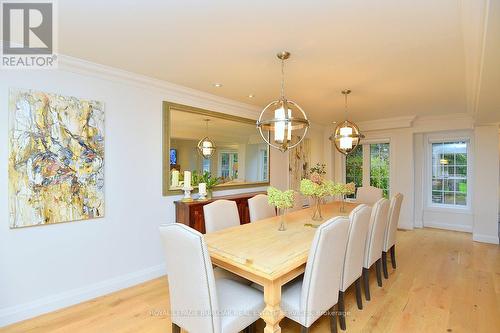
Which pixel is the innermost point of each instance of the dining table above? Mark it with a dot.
(260, 253)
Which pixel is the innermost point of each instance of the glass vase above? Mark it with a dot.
(342, 204)
(282, 212)
(317, 209)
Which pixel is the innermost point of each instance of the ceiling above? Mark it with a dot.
(400, 57)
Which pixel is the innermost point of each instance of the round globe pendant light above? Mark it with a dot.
(206, 147)
(282, 123)
(346, 135)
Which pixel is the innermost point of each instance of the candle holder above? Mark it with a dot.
(187, 193)
(202, 196)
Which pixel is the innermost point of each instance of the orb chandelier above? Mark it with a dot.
(346, 135)
(282, 118)
(206, 147)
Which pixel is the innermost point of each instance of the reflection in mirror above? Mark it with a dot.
(241, 156)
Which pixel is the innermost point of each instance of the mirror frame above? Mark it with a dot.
(166, 133)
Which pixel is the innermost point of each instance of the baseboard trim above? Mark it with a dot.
(44, 305)
(448, 226)
(485, 239)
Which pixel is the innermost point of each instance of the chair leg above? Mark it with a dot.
(341, 307)
(366, 280)
(393, 256)
(333, 320)
(304, 329)
(357, 284)
(175, 328)
(384, 264)
(378, 266)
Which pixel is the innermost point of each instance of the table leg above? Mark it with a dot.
(272, 313)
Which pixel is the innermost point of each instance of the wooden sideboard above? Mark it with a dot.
(191, 214)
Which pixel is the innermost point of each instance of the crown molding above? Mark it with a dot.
(387, 123)
(173, 92)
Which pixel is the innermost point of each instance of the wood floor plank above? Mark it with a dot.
(444, 282)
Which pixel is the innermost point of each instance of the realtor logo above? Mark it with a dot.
(28, 34)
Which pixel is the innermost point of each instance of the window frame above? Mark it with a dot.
(442, 207)
(367, 161)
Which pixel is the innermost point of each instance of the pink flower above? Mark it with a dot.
(316, 178)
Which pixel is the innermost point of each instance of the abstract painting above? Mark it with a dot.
(56, 158)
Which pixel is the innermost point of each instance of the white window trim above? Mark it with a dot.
(366, 161)
(448, 137)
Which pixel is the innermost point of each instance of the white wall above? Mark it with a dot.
(48, 267)
(485, 179)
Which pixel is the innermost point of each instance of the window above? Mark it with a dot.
(228, 162)
(369, 164)
(206, 165)
(379, 167)
(354, 168)
(449, 173)
(263, 164)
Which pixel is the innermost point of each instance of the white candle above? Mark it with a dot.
(187, 179)
(202, 188)
(175, 178)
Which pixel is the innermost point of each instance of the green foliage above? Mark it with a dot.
(280, 199)
(313, 189)
(205, 177)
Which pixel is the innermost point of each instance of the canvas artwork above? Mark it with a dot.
(56, 158)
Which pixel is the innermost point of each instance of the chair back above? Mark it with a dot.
(392, 223)
(321, 282)
(259, 208)
(359, 221)
(376, 231)
(221, 214)
(298, 203)
(368, 195)
(191, 281)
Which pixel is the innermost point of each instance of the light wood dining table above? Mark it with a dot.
(260, 253)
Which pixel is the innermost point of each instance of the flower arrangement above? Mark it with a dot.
(343, 189)
(280, 199)
(312, 188)
(205, 177)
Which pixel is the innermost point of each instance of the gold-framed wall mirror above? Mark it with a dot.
(239, 157)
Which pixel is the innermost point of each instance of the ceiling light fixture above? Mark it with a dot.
(206, 147)
(280, 117)
(346, 135)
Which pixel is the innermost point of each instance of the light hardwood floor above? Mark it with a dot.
(444, 282)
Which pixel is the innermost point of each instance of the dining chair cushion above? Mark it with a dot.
(305, 300)
(220, 214)
(259, 208)
(199, 302)
(376, 231)
(392, 222)
(359, 221)
(368, 195)
(239, 305)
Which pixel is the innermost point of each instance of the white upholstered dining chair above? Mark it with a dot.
(374, 243)
(259, 208)
(199, 302)
(390, 233)
(306, 299)
(359, 221)
(368, 195)
(220, 214)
